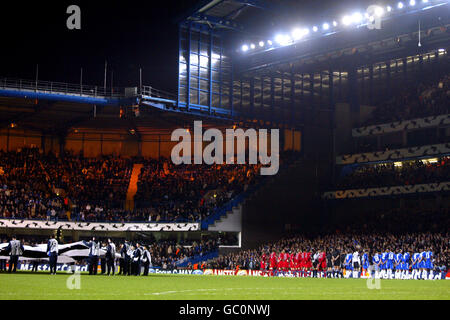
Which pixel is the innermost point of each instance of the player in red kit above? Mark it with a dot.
(273, 261)
(303, 263)
(287, 261)
(308, 261)
(293, 263)
(263, 265)
(298, 261)
(281, 261)
(322, 261)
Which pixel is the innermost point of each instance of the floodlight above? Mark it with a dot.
(400, 5)
(379, 11)
(282, 39)
(326, 26)
(297, 34)
(261, 44)
(245, 48)
(357, 17)
(347, 20)
(412, 2)
(279, 39)
(335, 23)
(315, 28)
(389, 8)
(252, 46)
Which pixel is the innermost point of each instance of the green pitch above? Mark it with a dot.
(26, 286)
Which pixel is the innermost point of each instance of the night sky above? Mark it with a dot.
(128, 34)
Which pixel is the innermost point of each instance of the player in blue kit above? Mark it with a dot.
(376, 260)
(348, 263)
(422, 261)
(384, 257)
(398, 263)
(415, 263)
(365, 261)
(405, 262)
(428, 263)
(429, 259)
(390, 261)
(384, 263)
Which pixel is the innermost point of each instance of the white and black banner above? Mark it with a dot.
(68, 253)
(387, 191)
(429, 122)
(395, 155)
(107, 227)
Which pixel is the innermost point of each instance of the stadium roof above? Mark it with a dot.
(235, 15)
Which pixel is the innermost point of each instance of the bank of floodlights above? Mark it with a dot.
(354, 19)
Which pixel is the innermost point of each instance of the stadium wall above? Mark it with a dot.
(93, 143)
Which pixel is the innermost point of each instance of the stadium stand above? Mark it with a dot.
(428, 98)
(397, 174)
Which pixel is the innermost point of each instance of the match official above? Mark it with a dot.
(15, 249)
(111, 257)
(146, 260)
(52, 252)
(125, 252)
(94, 252)
(136, 263)
(3, 261)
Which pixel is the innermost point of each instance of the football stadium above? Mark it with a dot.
(288, 150)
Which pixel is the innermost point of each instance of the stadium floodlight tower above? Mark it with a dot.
(209, 30)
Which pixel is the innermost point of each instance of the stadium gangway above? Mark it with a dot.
(59, 91)
(152, 94)
(166, 101)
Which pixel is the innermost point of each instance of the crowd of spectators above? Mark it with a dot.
(41, 186)
(103, 179)
(390, 174)
(190, 192)
(418, 101)
(34, 185)
(25, 189)
(167, 254)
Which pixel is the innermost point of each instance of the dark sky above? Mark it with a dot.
(128, 34)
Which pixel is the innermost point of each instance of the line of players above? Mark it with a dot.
(333, 265)
(132, 258)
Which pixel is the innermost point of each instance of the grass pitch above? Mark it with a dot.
(25, 286)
